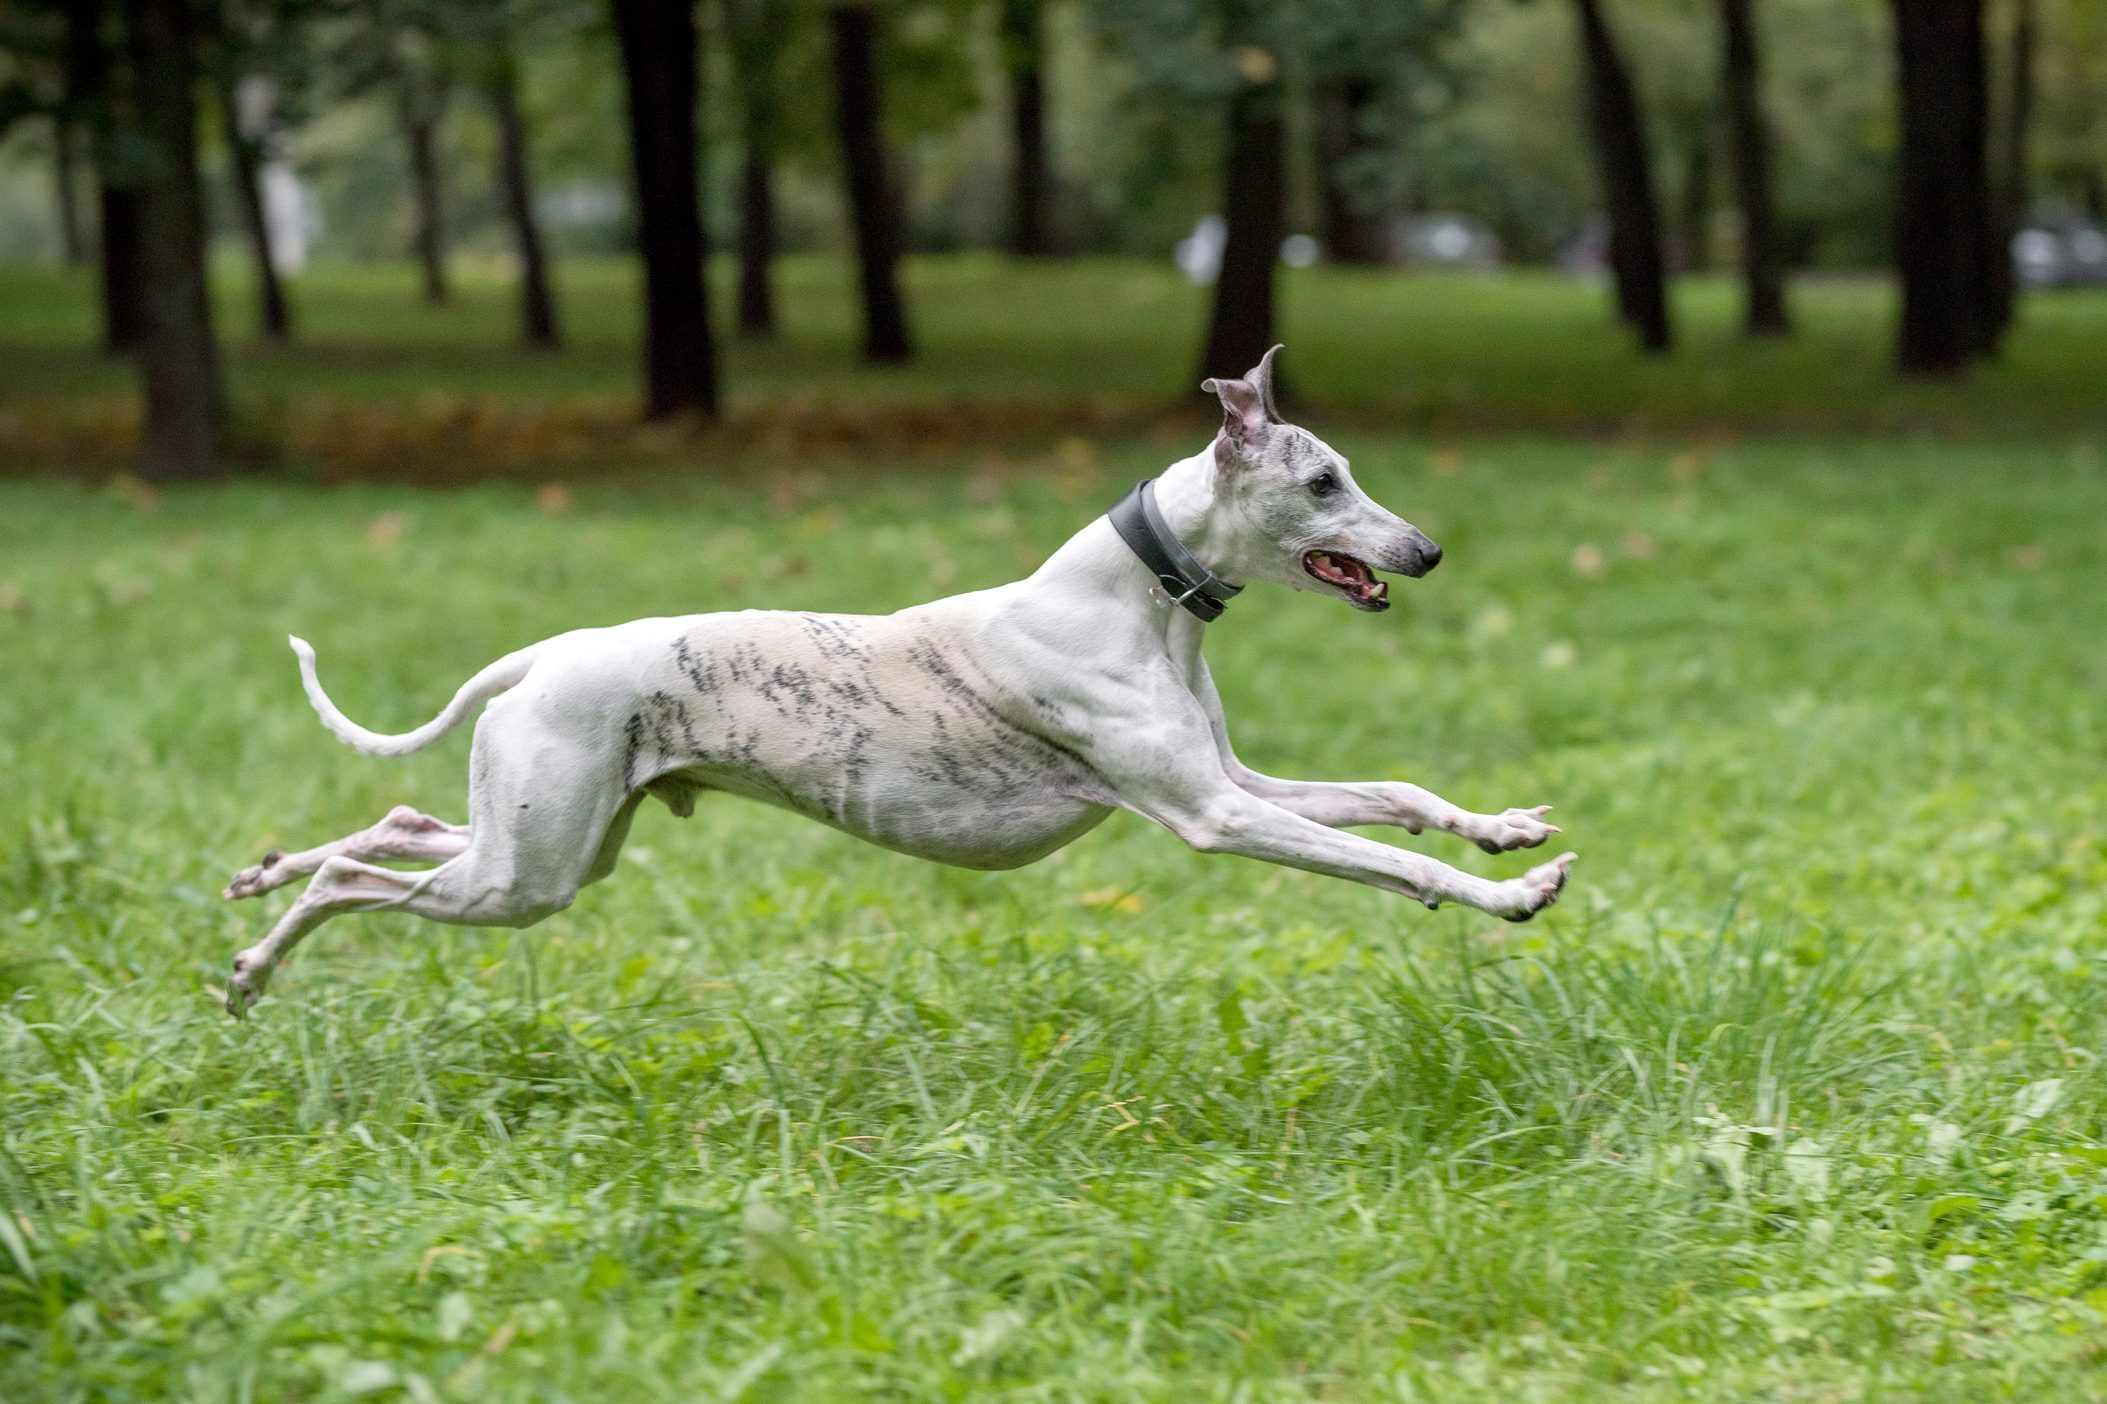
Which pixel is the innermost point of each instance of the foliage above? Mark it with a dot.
(1796, 1095)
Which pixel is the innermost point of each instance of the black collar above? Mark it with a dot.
(1140, 524)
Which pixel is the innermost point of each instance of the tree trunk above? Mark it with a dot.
(2012, 186)
(1748, 142)
(1031, 191)
(420, 131)
(1240, 329)
(757, 237)
(873, 205)
(65, 189)
(1627, 181)
(537, 302)
(179, 357)
(1356, 227)
(659, 57)
(1942, 202)
(245, 152)
(1696, 235)
(100, 93)
(123, 275)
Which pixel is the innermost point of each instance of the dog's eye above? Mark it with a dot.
(1324, 485)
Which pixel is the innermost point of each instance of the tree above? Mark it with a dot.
(1344, 116)
(2012, 184)
(1031, 232)
(178, 354)
(1619, 132)
(35, 82)
(873, 203)
(1370, 69)
(1943, 224)
(99, 91)
(1694, 235)
(241, 61)
(516, 185)
(1748, 144)
(660, 50)
(65, 189)
(757, 32)
(1240, 327)
(420, 104)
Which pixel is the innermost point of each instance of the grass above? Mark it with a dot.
(1795, 1096)
(379, 383)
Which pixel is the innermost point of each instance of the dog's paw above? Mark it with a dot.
(1538, 888)
(246, 984)
(1511, 829)
(257, 880)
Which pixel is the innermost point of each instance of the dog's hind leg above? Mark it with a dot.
(457, 892)
(543, 813)
(404, 836)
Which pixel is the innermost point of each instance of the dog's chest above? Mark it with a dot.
(874, 725)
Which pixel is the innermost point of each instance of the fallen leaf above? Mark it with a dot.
(387, 529)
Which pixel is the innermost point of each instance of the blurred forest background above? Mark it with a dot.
(266, 145)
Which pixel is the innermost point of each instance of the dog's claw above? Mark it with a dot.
(1541, 885)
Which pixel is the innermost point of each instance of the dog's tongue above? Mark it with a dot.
(1344, 570)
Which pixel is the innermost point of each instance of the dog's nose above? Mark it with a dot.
(1429, 557)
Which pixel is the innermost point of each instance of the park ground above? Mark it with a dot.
(1795, 1095)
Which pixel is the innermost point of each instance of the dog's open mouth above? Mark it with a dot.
(1350, 578)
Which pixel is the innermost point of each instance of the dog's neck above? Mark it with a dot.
(1185, 494)
(1097, 561)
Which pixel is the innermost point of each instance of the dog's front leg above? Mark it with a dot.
(1350, 804)
(1162, 767)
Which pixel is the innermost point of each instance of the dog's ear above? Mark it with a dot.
(1247, 404)
(1261, 375)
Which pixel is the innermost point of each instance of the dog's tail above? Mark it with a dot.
(504, 673)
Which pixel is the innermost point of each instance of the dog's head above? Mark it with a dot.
(1294, 514)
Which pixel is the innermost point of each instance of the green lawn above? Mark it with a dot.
(1796, 1095)
(379, 383)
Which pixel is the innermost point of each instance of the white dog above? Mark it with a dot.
(985, 730)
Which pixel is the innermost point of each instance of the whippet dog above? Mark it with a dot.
(985, 730)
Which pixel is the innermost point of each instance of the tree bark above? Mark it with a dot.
(757, 236)
(245, 153)
(178, 354)
(2012, 185)
(1240, 329)
(515, 182)
(1627, 180)
(420, 131)
(1748, 142)
(1356, 228)
(65, 189)
(873, 204)
(1031, 189)
(659, 60)
(1942, 200)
